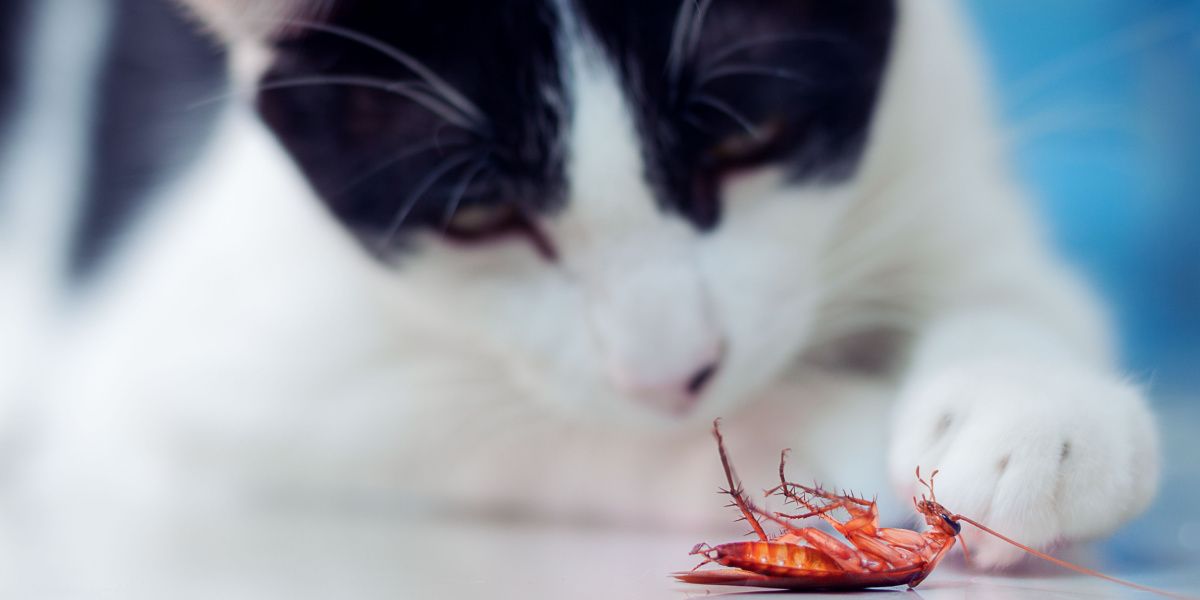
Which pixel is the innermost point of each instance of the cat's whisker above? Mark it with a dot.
(695, 121)
(854, 246)
(675, 56)
(851, 295)
(726, 109)
(689, 22)
(746, 70)
(415, 91)
(447, 92)
(446, 167)
(697, 26)
(849, 307)
(854, 262)
(395, 159)
(460, 190)
(849, 261)
(729, 51)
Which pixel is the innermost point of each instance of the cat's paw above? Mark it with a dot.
(1041, 453)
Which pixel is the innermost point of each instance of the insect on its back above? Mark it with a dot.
(807, 558)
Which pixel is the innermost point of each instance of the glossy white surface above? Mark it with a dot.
(375, 552)
(378, 556)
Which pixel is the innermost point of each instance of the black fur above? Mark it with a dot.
(505, 58)
(356, 145)
(815, 69)
(792, 82)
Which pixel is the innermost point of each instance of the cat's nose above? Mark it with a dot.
(677, 392)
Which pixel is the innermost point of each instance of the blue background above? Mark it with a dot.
(1103, 97)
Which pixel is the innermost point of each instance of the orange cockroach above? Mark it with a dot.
(806, 558)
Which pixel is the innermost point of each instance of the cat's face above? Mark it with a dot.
(625, 201)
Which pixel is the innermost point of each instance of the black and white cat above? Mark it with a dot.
(520, 254)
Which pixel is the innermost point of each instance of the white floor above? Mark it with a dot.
(368, 553)
(367, 557)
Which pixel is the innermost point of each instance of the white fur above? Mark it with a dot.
(245, 346)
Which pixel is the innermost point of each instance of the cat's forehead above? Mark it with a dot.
(387, 105)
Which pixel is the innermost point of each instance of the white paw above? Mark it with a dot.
(1041, 453)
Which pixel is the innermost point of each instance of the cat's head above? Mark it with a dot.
(627, 202)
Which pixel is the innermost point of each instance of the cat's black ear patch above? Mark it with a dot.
(724, 86)
(402, 113)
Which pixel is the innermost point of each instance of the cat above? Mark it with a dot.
(518, 255)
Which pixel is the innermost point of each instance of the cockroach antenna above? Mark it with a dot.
(928, 484)
(1063, 563)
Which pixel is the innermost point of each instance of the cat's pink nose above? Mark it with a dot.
(675, 393)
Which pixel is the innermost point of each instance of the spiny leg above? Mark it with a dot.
(776, 518)
(739, 497)
(832, 506)
(786, 488)
(864, 517)
(818, 492)
(735, 489)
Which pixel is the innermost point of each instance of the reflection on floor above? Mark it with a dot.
(372, 554)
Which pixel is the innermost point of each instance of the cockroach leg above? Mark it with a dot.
(820, 511)
(820, 493)
(783, 460)
(735, 487)
(834, 502)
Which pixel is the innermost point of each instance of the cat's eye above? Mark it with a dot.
(480, 220)
(746, 148)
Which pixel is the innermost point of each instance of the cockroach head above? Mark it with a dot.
(935, 514)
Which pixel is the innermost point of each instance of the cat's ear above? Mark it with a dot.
(237, 21)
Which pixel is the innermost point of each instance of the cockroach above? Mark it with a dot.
(807, 558)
